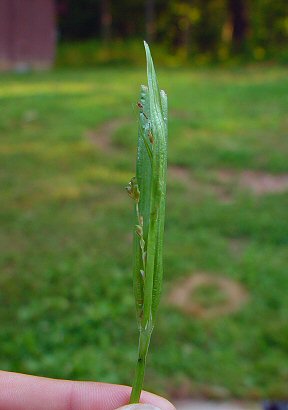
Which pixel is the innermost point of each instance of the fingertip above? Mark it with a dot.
(139, 407)
(160, 402)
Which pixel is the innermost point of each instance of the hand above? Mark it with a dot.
(23, 392)
(139, 407)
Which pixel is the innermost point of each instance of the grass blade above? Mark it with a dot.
(150, 182)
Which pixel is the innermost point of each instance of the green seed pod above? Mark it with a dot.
(133, 190)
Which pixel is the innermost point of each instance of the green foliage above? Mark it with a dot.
(93, 53)
(185, 32)
(66, 308)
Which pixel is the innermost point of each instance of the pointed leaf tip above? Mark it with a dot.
(147, 49)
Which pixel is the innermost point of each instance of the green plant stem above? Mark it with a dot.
(144, 341)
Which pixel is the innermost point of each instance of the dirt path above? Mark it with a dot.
(259, 183)
(102, 136)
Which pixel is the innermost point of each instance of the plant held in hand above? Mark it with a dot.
(148, 190)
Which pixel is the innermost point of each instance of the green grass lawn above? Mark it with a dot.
(66, 302)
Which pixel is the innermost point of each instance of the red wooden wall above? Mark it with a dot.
(27, 34)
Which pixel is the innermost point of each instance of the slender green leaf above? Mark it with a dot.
(151, 165)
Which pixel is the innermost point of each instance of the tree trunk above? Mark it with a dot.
(106, 20)
(150, 20)
(239, 23)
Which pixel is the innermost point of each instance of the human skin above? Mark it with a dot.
(25, 392)
(139, 407)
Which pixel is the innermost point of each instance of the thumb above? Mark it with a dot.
(139, 407)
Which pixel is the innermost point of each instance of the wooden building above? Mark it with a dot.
(27, 34)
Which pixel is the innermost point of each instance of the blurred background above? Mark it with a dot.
(69, 84)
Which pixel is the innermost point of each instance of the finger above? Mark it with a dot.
(23, 392)
(139, 407)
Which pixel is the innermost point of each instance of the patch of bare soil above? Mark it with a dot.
(237, 246)
(260, 183)
(180, 114)
(222, 193)
(179, 173)
(183, 176)
(102, 136)
(182, 295)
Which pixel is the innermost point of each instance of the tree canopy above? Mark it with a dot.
(217, 28)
